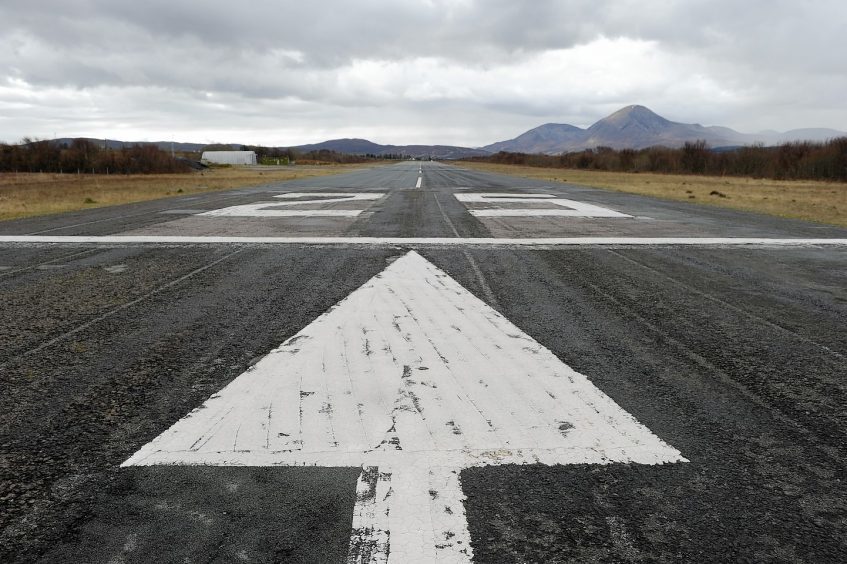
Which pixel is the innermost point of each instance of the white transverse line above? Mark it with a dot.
(524, 212)
(413, 378)
(315, 197)
(423, 241)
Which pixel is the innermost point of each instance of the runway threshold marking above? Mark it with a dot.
(270, 209)
(574, 208)
(422, 241)
(413, 378)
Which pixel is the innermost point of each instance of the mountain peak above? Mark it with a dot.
(560, 126)
(636, 109)
(640, 117)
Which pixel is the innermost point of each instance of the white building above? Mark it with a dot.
(229, 157)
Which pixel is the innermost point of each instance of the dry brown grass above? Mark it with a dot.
(31, 194)
(823, 202)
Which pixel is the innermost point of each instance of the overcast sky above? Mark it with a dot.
(426, 71)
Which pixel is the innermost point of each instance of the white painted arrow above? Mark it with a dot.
(413, 378)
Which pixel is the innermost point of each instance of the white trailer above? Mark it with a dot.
(229, 157)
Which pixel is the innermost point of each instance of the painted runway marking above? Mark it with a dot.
(116, 268)
(423, 241)
(574, 208)
(325, 197)
(270, 209)
(413, 378)
(181, 212)
(420, 180)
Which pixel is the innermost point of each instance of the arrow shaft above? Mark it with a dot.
(407, 515)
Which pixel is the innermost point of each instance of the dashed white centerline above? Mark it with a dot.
(420, 181)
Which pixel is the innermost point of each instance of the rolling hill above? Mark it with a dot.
(365, 147)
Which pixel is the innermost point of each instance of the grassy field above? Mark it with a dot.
(823, 202)
(31, 194)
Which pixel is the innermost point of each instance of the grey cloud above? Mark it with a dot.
(330, 33)
(337, 31)
(760, 34)
(719, 61)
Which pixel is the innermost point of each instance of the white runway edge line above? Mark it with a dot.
(269, 209)
(422, 241)
(413, 378)
(574, 208)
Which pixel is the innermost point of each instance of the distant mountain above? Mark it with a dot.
(637, 127)
(365, 147)
(810, 134)
(543, 139)
(349, 146)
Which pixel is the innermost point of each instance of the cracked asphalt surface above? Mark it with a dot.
(735, 356)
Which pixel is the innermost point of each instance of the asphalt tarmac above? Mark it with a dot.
(735, 355)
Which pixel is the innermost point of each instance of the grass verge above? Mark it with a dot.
(822, 202)
(32, 194)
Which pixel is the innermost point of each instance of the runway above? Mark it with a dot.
(317, 370)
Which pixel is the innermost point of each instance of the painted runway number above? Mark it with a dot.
(493, 204)
(413, 378)
(307, 205)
